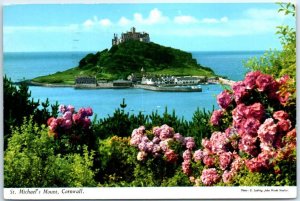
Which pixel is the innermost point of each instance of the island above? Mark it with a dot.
(133, 61)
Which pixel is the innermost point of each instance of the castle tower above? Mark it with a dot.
(132, 30)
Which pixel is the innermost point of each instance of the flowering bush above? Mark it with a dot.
(72, 128)
(259, 136)
(165, 143)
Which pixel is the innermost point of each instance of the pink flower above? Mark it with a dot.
(267, 131)
(87, 123)
(62, 109)
(53, 125)
(209, 160)
(156, 140)
(225, 160)
(166, 132)
(284, 125)
(210, 176)
(82, 112)
(179, 138)
(262, 162)
(67, 115)
(190, 145)
(280, 115)
(143, 146)
(164, 145)
(206, 143)
(156, 131)
(156, 148)
(198, 155)
(227, 176)
(247, 144)
(187, 155)
(216, 117)
(284, 79)
(266, 146)
(149, 146)
(237, 164)
(250, 79)
(251, 126)
(171, 156)
(71, 108)
(67, 124)
(50, 120)
(256, 111)
(186, 167)
(89, 111)
(76, 118)
(224, 99)
(239, 91)
(264, 82)
(135, 140)
(218, 142)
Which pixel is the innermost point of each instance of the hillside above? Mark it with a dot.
(129, 57)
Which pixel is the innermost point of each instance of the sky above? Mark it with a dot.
(186, 26)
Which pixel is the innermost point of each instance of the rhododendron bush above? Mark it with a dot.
(254, 132)
(71, 128)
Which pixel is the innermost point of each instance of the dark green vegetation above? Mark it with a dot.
(32, 158)
(40, 160)
(129, 57)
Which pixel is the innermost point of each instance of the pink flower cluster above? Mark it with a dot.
(69, 119)
(263, 132)
(252, 131)
(160, 144)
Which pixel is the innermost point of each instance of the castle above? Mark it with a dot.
(131, 35)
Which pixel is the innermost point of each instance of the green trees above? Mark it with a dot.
(31, 161)
(17, 105)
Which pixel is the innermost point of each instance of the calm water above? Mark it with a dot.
(20, 66)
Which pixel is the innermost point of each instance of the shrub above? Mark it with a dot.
(30, 161)
(72, 130)
(17, 105)
(116, 161)
(256, 138)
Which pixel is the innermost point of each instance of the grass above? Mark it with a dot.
(68, 76)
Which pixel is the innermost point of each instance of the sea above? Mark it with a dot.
(27, 65)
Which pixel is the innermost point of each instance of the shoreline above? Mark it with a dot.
(109, 85)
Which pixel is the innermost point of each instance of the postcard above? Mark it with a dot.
(149, 100)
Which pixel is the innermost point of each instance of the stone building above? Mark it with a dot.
(131, 35)
(85, 80)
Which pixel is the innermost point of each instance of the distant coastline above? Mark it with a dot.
(109, 85)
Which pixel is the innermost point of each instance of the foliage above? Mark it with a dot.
(279, 63)
(127, 58)
(30, 161)
(17, 105)
(72, 130)
(115, 161)
(260, 137)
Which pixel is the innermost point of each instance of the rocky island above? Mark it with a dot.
(132, 60)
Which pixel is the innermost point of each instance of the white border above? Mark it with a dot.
(154, 193)
(146, 192)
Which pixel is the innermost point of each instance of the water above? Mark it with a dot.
(20, 66)
(229, 64)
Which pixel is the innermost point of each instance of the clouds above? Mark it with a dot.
(251, 21)
(185, 19)
(89, 23)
